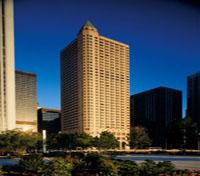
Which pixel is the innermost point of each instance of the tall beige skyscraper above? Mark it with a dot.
(95, 85)
(26, 101)
(7, 73)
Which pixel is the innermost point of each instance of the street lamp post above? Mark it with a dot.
(44, 138)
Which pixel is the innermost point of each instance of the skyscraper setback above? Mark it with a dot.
(95, 85)
(7, 70)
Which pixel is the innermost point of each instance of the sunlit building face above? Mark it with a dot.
(26, 101)
(95, 85)
(7, 74)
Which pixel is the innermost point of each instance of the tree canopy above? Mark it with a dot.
(19, 141)
(183, 134)
(139, 138)
(106, 140)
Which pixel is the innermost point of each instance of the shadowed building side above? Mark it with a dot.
(193, 97)
(155, 109)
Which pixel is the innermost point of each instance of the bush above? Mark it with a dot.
(32, 163)
(2, 172)
(35, 164)
(128, 168)
(95, 165)
(166, 167)
(57, 167)
(149, 168)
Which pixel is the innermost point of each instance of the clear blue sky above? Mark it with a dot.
(164, 39)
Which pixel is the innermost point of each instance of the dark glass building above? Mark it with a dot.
(155, 109)
(193, 97)
(49, 120)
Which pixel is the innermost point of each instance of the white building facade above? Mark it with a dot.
(7, 70)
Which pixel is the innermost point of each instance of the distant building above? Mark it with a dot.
(49, 120)
(26, 101)
(155, 109)
(7, 67)
(95, 85)
(193, 97)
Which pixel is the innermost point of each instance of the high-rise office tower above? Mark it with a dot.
(193, 97)
(7, 70)
(155, 109)
(95, 85)
(26, 101)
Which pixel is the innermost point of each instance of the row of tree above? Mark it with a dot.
(91, 165)
(64, 141)
(180, 134)
(138, 139)
(22, 142)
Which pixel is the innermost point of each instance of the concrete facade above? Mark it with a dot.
(95, 85)
(26, 101)
(7, 70)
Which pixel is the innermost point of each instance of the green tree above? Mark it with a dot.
(30, 140)
(64, 141)
(57, 167)
(107, 141)
(83, 140)
(139, 138)
(107, 167)
(174, 134)
(182, 134)
(128, 168)
(190, 133)
(9, 141)
(166, 167)
(96, 165)
(149, 168)
(52, 141)
(69, 141)
(19, 141)
(32, 164)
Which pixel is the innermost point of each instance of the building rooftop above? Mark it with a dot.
(197, 74)
(25, 73)
(49, 110)
(156, 89)
(86, 25)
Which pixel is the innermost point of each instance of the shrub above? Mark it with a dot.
(32, 163)
(95, 165)
(149, 168)
(57, 167)
(166, 167)
(128, 168)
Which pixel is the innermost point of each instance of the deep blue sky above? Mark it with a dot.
(164, 39)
